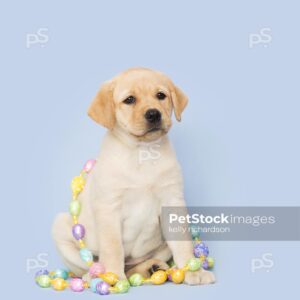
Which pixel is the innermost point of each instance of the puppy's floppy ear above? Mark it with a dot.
(102, 109)
(179, 100)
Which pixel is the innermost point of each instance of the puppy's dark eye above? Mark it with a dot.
(161, 96)
(129, 100)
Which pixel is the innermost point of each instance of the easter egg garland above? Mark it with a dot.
(102, 282)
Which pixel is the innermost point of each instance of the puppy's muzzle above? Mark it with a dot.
(153, 116)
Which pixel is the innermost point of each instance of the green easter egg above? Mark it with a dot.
(75, 208)
(122, 286)
(43, 281)
(194, 264)
(136, 279)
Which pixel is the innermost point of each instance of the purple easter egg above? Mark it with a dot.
(78, 231)
(201, 245)
(200, 249)
(102, 288)
(206, 251)
(41, 272)
(205, 264)
(77, 285)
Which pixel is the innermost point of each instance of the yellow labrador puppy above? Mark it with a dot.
(135, 175)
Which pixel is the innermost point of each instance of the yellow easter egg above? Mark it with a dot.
(159, 277)
(177, 276)
(59, 284)
(109, 277)
(77, 185)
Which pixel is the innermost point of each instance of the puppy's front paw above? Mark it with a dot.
(199, 277)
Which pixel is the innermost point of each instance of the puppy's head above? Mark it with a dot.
(140, 101)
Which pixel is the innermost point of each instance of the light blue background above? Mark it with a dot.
(238, 142)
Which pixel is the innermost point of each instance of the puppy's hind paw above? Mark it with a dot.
(148, 267)
(199, 277)
(158, 265)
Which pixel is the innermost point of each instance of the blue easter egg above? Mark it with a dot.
(93, 284)
(86, 255)
(61, 273)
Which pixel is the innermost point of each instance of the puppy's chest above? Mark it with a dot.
(146, 166)
(140, 215)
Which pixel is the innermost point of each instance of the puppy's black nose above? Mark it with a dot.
(153, 116)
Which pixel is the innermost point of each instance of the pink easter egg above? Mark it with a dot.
(96, 269)
(89, 165)
(77, 285)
